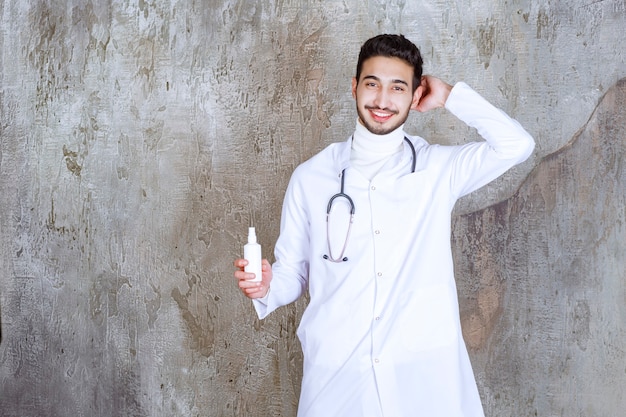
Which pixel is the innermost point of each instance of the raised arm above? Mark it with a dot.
(475, 164)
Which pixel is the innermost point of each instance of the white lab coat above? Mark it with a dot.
(381, 334)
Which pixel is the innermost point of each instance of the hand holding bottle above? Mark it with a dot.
(247, 283)
(251, 270)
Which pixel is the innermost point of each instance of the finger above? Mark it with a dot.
(266, 265)
(247, 282)
(255, 292)
(244, 276)
(251, 288)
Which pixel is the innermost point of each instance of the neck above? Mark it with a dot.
(366, 141)
(370, 152)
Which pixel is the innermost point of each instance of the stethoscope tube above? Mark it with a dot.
(329, 207)
(342, 194)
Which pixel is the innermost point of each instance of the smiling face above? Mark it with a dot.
(384, 94)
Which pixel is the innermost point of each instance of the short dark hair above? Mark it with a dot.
(392, 46)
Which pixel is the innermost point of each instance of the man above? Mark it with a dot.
(381, 335)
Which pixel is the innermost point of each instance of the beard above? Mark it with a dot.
(378, 128)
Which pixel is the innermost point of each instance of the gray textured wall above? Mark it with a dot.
(140, 139)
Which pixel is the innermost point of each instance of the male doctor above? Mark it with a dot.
(365, 228)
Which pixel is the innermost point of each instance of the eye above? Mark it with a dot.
(398, 88)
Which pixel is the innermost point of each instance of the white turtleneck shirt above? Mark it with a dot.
(370, 152)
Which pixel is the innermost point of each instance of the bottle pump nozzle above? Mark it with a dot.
(251, 235)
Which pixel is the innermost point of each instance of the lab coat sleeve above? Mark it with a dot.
(290, 271)
(507, 142)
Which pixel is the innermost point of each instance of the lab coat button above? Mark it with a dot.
(376, 360)
(377, 318)
(377, 232)
(373, 188)
(380, 274)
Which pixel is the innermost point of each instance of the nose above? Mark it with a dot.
(382, 99)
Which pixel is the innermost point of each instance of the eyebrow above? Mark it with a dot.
(375, 78)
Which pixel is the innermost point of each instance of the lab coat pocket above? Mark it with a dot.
(428, 318)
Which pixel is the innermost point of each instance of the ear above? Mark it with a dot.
(417, 95)
(354, 85)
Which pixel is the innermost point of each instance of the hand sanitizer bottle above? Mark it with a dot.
(252, 253)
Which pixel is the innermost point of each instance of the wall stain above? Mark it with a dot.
(153, 306)
(493, 239)
(485, 232)
(579, 326)
(71, 163)
(547, 27)
(202, 329)
(486, 42)
(103, 296)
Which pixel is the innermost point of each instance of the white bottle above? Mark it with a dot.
(252, 254)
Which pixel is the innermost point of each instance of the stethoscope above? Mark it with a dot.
(342, 194)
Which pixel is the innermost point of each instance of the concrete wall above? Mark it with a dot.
(139, 139)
